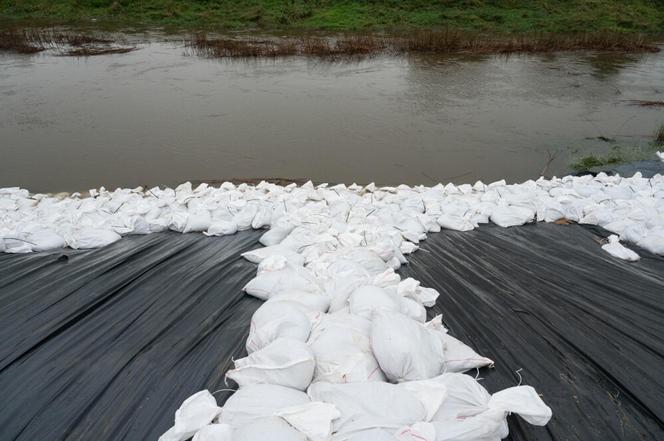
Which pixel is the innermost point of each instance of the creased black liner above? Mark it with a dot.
(106, 344)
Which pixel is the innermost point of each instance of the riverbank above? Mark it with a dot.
(517, 16)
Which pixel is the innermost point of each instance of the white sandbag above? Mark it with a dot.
(454, 222)
(512, 215)
(273, 320)
(413, 309)
(405, 349)
(314, 419)
(272, 283)
(195, 412)
(221, 227)
(369, 405)
(616, 249)
(269, 428)
(309, 302)
(258, 401)
(199, 220)
(277, 262)
(420, 431)
(653, 241)
(284, 362)
(87, 238)
(15, 245)
(259, 254)
(367, 299)
(214, 432)
(276, 234)
(460, 357)
(469, 413)
(45, 240)
(524, 401)
(411, 288)
(367, 435)
(343, 351)
(245, 216)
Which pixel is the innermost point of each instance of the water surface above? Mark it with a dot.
(161, 116)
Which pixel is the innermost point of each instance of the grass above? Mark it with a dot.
(446, 41)
(659, 136)
(499, 16)
(30, 41)
(619, 155)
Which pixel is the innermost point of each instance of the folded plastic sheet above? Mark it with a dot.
(106, 344)
(585, 328)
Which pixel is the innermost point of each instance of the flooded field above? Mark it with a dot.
(161, 115)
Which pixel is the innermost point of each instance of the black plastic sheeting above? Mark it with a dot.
(106, 344)
(585, 328)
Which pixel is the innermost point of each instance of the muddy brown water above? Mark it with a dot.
(161, 116)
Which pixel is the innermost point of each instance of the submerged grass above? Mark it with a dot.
(30, 41)
(442, 42)
(659, 136)
(619, 155)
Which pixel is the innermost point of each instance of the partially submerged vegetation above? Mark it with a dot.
(619, 155)
(659, 136)
(443, 41)
(500, 16)
(646, 103)
(30, 41)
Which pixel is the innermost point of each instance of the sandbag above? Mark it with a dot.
(195, 412)
(221, 228)
(273, 320)
(616, 249)
(469, 413)
(460, 357)
(367, 299)
(258, 401)
(284, 362)
(307, 301)
(369, 405)
(510, 216)
(405, 349)
(343, 351)
(269, 428)
(86, 238)
(214, 432)
(272, 283)
(257, 255)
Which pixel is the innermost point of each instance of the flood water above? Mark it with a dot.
(161, 116)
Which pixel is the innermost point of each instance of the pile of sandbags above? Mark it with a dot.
(313, 220)
(341, 350)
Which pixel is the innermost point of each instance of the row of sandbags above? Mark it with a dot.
(388, 219)
(341, 350)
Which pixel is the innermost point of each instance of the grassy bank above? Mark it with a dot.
(503, 16)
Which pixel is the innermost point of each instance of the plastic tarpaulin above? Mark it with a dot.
(585, 327)
(106, 344)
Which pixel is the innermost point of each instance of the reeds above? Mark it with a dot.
(357, 45)
(659, 136)
(646, 103)
(440, 42)
(30, 41)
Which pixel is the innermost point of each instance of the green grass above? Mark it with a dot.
(501, 16)
(619, 155)
(659, 136)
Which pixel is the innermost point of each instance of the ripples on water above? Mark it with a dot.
(159, 116)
